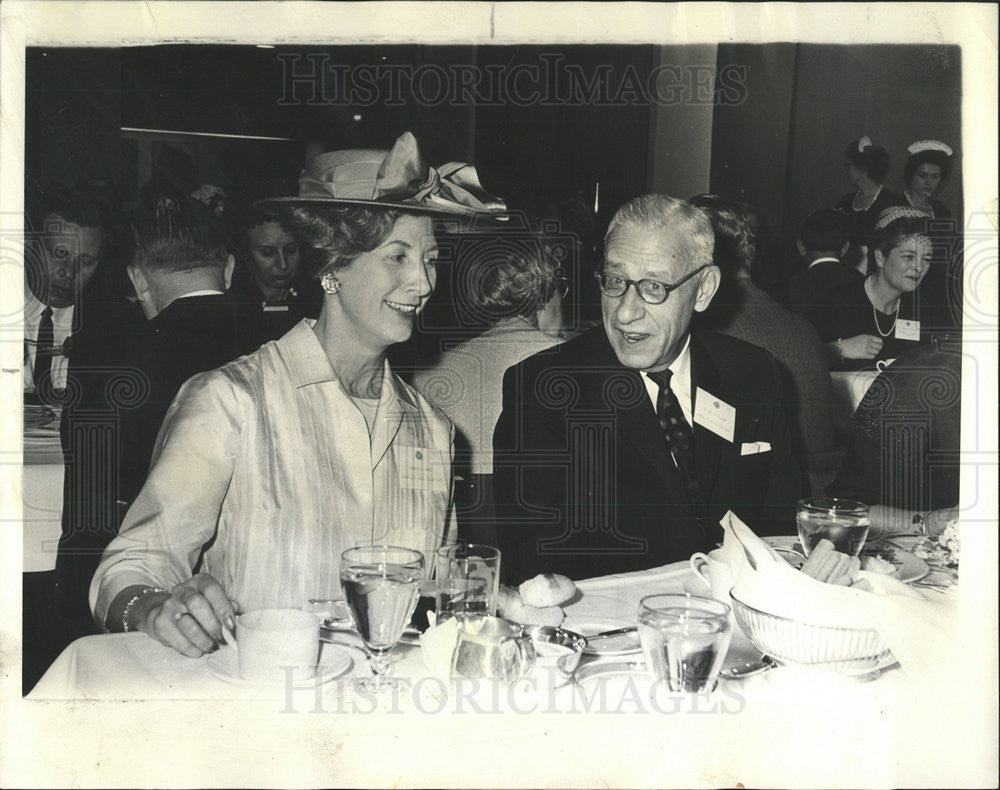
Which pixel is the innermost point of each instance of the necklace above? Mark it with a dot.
(871, 298)
(871, 202)
(927, 208)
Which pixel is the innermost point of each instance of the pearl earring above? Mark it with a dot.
(329, 283)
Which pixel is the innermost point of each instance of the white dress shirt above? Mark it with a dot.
(680, 381)
(62, 327)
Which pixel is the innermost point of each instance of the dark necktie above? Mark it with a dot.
(43, 354)
(678, 434)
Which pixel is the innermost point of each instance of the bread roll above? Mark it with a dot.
(542, 615)
(547, 589)
(513, 608)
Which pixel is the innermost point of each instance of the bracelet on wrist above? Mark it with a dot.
(131, 602)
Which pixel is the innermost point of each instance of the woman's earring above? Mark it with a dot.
(329, 283)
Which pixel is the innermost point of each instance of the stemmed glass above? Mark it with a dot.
(381, 585)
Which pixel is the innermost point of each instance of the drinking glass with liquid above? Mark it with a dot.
(684, 639)
(843, 522)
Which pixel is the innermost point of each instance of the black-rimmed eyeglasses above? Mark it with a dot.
(650, 291)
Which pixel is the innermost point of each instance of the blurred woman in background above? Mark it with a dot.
(269, 274)
(926, 170)
(866, 167)
(516, 288)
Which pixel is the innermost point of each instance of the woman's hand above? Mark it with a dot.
(190, 619)
(861, 347)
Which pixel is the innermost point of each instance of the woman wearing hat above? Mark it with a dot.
(926, 170)
(866, 167)
(269, 467)
(875, 319)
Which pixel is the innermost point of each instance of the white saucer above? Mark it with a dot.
(334, 662)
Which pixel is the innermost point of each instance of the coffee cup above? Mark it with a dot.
(712, 569)
(268, 641)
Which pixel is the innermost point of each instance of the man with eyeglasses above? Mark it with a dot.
(622, 448)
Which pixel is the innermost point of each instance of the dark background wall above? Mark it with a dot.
(779, 146)
(783, 148)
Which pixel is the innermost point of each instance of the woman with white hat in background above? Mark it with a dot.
(926, 171)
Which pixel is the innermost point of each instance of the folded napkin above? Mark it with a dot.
(919, 632)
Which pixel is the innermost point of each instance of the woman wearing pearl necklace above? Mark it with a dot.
(875, 320)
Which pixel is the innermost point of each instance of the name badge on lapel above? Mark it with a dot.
(715, 414)
(907, 330)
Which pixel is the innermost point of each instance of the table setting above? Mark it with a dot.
(538, 693)
(736, 617)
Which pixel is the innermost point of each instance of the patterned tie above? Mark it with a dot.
(677, 432)
(43, 354)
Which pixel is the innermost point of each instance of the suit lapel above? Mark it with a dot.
(707, 445)
(613, 383)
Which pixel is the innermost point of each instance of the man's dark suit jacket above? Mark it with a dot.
(124, 374)
(584, 481)
(816, 282)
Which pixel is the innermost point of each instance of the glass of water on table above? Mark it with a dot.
(382, 585)
(685, 639)
(468, 580)
(843, 522)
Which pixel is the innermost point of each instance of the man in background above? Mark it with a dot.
(63, 252)
(126, 381)
(822, 245)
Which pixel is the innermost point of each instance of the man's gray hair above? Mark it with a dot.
(662, 212)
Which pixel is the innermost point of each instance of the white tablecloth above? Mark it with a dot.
(781, 727)
(42, 498)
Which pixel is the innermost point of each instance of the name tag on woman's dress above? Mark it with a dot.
(423, 468)
(907, 330)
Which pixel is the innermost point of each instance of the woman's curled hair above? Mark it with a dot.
(509, 277)
(886, 239)
(873, 159)
(333, 236)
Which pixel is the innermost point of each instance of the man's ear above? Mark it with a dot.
(138, 280)
(228, 272)
(143, 291)
(843, 249)
(801, 248)
(708, 284)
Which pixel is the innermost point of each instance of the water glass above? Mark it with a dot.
(684, 639)
(843, 522)
(468, 580)
(381, 584)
